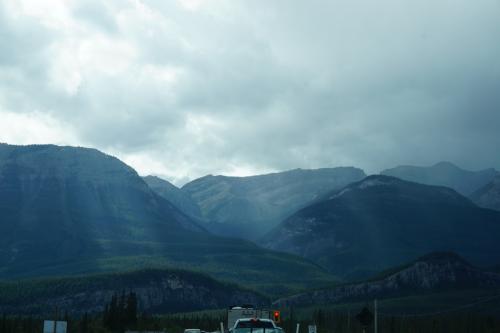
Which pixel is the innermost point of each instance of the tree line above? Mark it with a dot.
(121, 313)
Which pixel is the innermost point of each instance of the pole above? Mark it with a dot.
(55, 321)
(298, 328)
(348, 319)
(376, 315)
(221, 327)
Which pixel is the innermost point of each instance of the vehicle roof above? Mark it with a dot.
(254, 319)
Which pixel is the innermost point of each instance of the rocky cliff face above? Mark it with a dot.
(488, 196)
(431, 273)
(157, 291)
(248, 207)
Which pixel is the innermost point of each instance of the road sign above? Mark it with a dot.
(312, 328)
(60, 326)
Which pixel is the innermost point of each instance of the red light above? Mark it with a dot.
(277, 318)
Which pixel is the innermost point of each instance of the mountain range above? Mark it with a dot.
(446, 174)
(248, 207)
(383, 221)
(435, 272)
(67, 210)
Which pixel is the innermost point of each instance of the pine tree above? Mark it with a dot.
(131, 309)
(3, 324)
(113, 313)
(84, 324)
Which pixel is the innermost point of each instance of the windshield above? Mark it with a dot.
(257, 330)
(255, 326)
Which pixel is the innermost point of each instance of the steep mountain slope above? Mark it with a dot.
(66, 210)
(383, 221)
(488, 196)
(248, 207)
(157, 291)
(173, 194)
(57, 203)
(444, 174)
(436, 272)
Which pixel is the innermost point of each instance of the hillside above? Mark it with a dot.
(170, 192)
(248, 207)
(66, 210)
(436, 272)
(158, 291)
(382, 221)
(488, 196)
(446, 174)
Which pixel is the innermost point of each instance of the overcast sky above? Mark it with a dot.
(187, 88)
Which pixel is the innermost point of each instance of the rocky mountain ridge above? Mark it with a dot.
(488, 196)
(444, 174)
(158, 291)
(248, 207)
(175, 195)
(382, 222)
(435, 272)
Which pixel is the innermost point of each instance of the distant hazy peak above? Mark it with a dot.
(438, 165)
(398, 184)
(446, 164)
(250, 206)
(285, 172)
(444, 174)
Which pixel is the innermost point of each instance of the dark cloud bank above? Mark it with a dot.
(188, 88)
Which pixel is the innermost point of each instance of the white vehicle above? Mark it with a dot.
(255, 325)
(236, 313)
(192, 330)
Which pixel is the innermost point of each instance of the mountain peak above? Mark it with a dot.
(385, 186)
(248, 207)
(381, 221)
(446, 164)
(444, 174)
(173, 194)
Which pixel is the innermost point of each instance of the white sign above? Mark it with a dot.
(60, 326)
(312, 328)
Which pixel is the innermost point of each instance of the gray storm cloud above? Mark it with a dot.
(187, 88)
